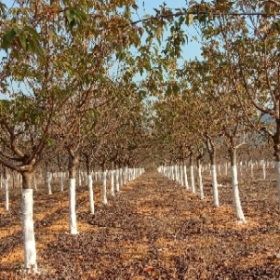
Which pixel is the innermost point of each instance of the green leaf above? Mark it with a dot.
(8, 38)
(22, 39)
(75, 17)
(34, 46)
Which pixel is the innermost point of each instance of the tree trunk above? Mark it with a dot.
(104, 186)
(176, 173)
(241, 168)
(48, 179)
(226, 168)
(91, 194)
(186, 177)
(117, 182)
(212, 156)
(200, 179)
(215, 186)
(112, 176)
(80, 177)
(61, 181)
(192, 175)
(236, 197)
(125, 175)
(264, 169)
(73, 164)
(6, 184)
(30, 259)
(252, 169)
(121, 177)
(172, 172)
(90, 187)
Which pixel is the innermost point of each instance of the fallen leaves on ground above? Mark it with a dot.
(152, 229)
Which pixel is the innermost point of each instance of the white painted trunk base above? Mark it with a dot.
(264, 170)
(49, 183)
(91, 194)
(200, 183)
(121, 177)
(117, 180)
(215, 186)
(104, 188)
(176, 173)
(241, 168)
(192, 180)
(80, 178)
(72, 207)
(61, 182)
(186, 178)
(236, 197)
(252, 170)
(112, 177)
(30, 259)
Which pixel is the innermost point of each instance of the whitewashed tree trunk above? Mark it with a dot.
(91, 194)
(172, 173)
(61, 182)
(117, 180)
(49, 183)
(126, 175)
(181, 175)
(200, 182)
(104, 188)
(252, 170)
(176, 172)
(80, 178)
(72, 206)
(236, 197)
(192, 179)
(186, 177)
(241, 168)
(264, 169)
(215, 186)
(30, 259)
(120, 178)
(112, 176)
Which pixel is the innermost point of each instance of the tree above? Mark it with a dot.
(49, 48)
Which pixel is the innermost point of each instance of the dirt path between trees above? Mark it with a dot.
(153, 229)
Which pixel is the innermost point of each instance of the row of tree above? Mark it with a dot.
(227, 99)
(69, 77)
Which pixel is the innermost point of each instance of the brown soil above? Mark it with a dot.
(153, 229)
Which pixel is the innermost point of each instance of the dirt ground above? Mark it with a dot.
(153, 229)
